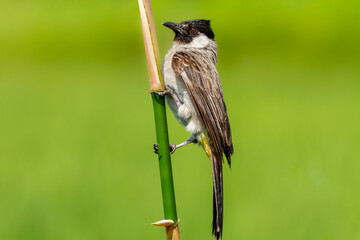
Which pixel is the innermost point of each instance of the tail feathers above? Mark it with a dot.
(228, 151)
(216, 165)
(217, 223)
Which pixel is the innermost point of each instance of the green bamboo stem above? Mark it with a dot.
(156, 84)
(167, 184)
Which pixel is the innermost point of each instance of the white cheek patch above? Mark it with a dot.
(200, 41)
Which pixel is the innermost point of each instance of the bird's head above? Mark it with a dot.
(187, 31)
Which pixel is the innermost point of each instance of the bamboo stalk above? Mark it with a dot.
(156, 84)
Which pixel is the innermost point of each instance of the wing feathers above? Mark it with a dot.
(204, 86)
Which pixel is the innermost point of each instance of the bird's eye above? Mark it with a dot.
(193, 30)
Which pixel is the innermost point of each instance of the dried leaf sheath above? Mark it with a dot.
(151, 45)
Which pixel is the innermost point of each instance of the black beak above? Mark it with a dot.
(174, 26)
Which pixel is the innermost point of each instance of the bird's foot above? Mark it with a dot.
(172, 148)
(170, 91)
(156, 150)
(162, 93)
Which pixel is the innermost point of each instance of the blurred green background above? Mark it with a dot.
(76, 121)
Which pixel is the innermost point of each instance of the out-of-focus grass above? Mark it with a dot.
(74, 109)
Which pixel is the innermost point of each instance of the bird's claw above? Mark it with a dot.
(156, 150)
(162, 93)
(172, 148)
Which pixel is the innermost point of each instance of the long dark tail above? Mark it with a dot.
(217, 223)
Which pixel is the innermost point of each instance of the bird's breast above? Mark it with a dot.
(186, 113)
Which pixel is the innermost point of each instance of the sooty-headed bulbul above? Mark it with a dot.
(194, 95)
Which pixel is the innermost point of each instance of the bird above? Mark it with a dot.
(195, 97)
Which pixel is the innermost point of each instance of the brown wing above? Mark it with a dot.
(204, 86)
